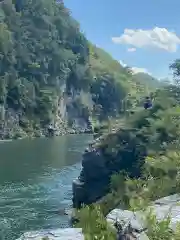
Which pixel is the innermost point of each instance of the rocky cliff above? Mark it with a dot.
(64, 119)
(123, 150)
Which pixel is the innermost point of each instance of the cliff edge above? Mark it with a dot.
(124, 149)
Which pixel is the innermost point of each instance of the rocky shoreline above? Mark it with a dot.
(14, 132)
(15, 125)
(54, 234)
(41, 135)
(102, 159)
(163, 207)
(98, 164)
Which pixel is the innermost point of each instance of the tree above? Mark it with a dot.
(175, 67)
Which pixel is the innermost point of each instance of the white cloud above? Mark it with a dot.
(140, 70)
(122, 63)
(157, 38)
(135, 69)
(131, 49)
(165, 79)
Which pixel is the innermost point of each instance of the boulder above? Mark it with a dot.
(126, 217)
(94, 165)
(167, 206)
(104, 157)
(57, 234)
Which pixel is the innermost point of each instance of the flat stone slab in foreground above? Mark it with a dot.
(162, 208)
(58, 234)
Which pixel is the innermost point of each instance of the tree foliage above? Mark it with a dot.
(41, 49)
(159, 128)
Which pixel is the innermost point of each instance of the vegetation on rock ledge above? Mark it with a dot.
(160, 129)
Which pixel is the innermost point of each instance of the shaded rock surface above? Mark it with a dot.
(14, 124)
(120, 151)
(168, 206)
(58, 234)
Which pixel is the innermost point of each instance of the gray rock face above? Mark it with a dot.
(58, 234)
(93, 181)
(98, 166)
(126, 216)
(168, 206)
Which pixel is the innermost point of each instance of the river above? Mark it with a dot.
(36, 182)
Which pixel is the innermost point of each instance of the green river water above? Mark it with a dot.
(36, 182)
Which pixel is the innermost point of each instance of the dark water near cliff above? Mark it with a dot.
(35, 181)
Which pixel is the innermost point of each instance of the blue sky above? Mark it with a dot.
(112, 24)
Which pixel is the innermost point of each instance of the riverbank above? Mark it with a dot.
(70, 132)
(137, 187)
(20, 133)
(130, 168)
(121, 150)
(135, 224)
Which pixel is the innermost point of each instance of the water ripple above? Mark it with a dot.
(35, 190)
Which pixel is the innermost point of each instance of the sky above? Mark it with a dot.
(143, 34)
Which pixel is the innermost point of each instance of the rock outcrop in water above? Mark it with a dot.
(122, 150)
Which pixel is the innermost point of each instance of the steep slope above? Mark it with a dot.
(147, 80)
(110, 82)
(42, 51)
(51, 74)
(130, 87)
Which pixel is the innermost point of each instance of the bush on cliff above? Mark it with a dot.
(160, 178)
(145, 132)
(159, 128)
(94, 224)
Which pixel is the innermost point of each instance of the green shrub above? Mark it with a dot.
(94, 224)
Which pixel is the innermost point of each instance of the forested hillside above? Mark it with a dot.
(148, 80)
(50, 73)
